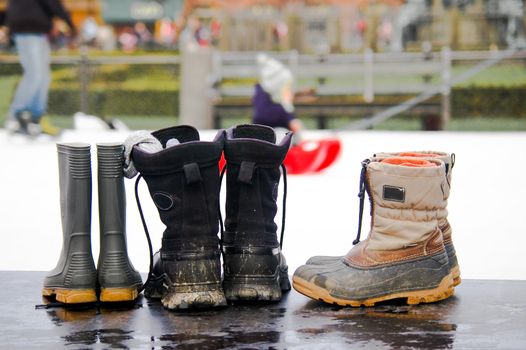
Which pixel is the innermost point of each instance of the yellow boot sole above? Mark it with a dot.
(71, 296)
(455, 271)
(118, 294)
(443, 291)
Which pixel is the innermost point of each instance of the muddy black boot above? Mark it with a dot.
(74, 278)
(117, 278)
(404, 255)
(183, 180)
(254, 267)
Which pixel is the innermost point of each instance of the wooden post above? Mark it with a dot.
(84, 79)
(368, 63)
(195, 100)
(446, 86)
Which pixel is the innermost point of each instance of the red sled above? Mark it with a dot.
(308, 157)
(312, 156)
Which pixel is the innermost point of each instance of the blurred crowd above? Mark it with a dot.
(164, 34)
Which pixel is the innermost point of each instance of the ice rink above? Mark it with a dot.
(486, 207)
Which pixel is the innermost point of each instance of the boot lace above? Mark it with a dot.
(147, 233)
(284, 170)
(361, 195)
(221, 226)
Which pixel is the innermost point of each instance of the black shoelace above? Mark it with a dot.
(221, 226)
(147, 233)
(361, 195)
(284, 206)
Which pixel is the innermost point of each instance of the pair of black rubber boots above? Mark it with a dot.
(75, 278)
(185, 182)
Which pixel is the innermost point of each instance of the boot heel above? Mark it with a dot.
(194, 296)
(252, 289)
(71, 296)
(443, 291)
(194, 284)
(254, 277)
(118, 294)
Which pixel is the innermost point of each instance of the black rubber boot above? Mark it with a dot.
(254, 267)
(117, 278)
(184, 184)
(74, 278)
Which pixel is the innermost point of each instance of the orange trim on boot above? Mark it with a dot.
(408, 161)
(418, 155)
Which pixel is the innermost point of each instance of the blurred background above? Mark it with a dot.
(401, 65)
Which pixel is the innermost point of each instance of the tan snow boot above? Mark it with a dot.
(443, 223)
(404, 255)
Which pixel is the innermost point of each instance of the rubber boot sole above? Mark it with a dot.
(455, 272)
(71, 296)
(118, 294)
(194, 296)
(443, 291)
(251, 288)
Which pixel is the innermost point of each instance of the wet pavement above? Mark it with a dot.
(483, 314)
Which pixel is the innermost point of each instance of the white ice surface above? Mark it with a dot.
(486, 207)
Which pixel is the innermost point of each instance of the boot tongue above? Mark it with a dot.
(182, 134)
(259, 132)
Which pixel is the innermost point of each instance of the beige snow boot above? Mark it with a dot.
(443, 223)
(404, 255)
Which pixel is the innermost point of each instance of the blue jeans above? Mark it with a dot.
(32, 92)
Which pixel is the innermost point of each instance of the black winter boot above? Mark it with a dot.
(117, 278)
(184, 184)
(254, 267)
(74, 278)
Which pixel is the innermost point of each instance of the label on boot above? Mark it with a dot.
(394, 193)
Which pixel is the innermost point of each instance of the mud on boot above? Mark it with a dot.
(74, 278)
(404, 255)
(118, 280)
(254, 266)
(183, 180)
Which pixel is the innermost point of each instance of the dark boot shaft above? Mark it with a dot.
(184, 182)
(73, 280)
(74, 163)
(253, 175)
(254, 267)
(114, 267)
(112, 196)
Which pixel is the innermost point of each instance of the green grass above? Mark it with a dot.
(7, 89)
(133, 122)
(505, 74)
(509, 74)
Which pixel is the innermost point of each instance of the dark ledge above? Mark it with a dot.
(483, 314)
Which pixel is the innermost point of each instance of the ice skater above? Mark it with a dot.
(30, 22)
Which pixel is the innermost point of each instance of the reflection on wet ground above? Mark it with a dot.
(482, 315)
